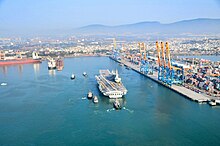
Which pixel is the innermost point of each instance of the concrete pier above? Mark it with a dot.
(200, 98)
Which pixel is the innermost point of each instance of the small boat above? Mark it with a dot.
(117, 105)
(72, 77)
(212, 102)
(89, 95)
(121, 64)
(3, 84)
(95, 99)
(217, 101)
(84, 74)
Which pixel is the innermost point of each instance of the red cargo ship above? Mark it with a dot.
(4, 61)
(18, 61)
(59, 64)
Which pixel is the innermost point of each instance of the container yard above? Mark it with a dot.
(196, 79)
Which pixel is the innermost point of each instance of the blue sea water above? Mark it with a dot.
(41, 107)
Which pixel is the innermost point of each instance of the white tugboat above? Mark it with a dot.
(89, 95)
(84, 74)
(95, 99)
(110, 84)
(72, 77)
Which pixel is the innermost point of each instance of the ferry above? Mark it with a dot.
(110, 85)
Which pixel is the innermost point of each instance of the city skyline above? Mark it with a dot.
(22, 15)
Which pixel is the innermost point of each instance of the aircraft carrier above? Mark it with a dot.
(110, 84)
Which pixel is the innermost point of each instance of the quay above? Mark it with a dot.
(200, 98)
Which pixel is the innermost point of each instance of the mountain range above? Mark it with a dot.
(194, 26)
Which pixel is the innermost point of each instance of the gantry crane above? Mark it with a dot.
(163, 64)
(115, 50)
(158, 61)
(176, 72)
(165, 71)
(143, 58)
(169, 70)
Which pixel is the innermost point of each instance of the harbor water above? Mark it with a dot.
(41, 107)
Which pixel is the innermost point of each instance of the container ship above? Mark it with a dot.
(18, 60)
(110, 84)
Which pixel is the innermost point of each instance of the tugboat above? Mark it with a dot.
(117, 105)
(72, 77)
(89, 95)
(85, 74)
(95, 99)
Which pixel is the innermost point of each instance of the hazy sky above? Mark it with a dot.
(20, 14)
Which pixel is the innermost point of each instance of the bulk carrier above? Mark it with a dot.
(18, 59)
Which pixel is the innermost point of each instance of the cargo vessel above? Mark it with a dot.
(110, 84)
(51, 64)
(18, 60)
(59, 64)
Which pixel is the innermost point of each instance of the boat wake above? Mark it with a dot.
(109, 110)
(124, 108)
(71, 101)
(83, 98)
(130, 111)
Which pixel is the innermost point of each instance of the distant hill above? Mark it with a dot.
(153, 28)
(195, 26)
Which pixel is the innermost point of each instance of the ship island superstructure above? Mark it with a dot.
(110, 84)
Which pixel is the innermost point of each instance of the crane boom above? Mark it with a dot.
(163, 54)
(158, 53)
(142, 49)
(168, 55)
(114, 41)
(145, 56)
